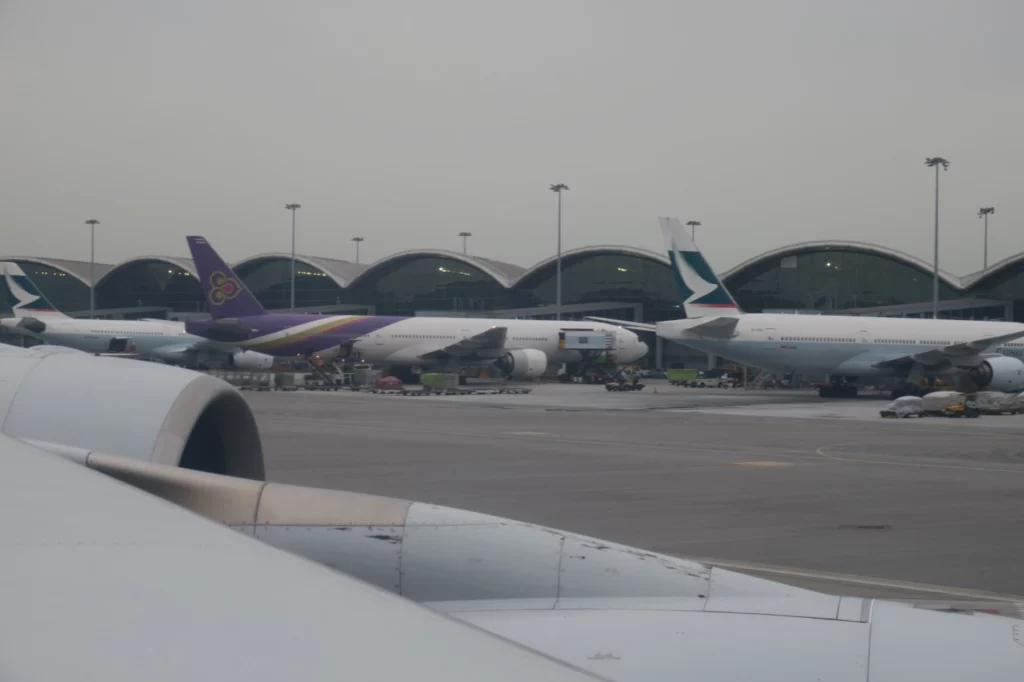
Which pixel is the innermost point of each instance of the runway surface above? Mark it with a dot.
(783, 479)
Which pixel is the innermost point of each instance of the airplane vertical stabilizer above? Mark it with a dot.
(226, 296)
(703, 293)
(31, 301)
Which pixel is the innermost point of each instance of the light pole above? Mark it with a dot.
(357, 240)
(464, 235)
(558, 267)
(693, 230)
(985, 213)
(92, 223)
(293, 208)
(935, 162)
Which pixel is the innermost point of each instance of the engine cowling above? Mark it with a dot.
(175, 355)
(998, 373)
(137, 410)
(250, 360)
(524, 364)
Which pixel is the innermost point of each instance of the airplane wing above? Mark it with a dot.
(487, 344)
(159, 552)
(949, 355)
(639, 326)
(105, 582)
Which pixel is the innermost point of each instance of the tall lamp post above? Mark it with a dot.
(92, 223)
(985, 213)
(558, 267)
(464, 235)
(693, 230)
(358, 241)
(935, 162)
(293, 208)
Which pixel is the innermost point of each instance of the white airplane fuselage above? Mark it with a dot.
(95, 336)
(161, 340)
(835, 344)
(403, 342)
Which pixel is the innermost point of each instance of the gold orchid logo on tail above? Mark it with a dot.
(222, 288)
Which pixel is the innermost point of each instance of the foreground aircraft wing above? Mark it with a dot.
(489, 343)
(102, 581)
(627, 324)
(949, 355)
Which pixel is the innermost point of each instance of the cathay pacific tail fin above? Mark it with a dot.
(703, 293)
(31, 301)
(226, 296)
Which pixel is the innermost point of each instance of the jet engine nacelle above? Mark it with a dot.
(63, 398)
(524, 364)
(998, 373)
(250, 360)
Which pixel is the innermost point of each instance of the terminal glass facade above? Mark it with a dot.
(150, 283)
(428, 283)
(832, 280)
(1005, 285)
(605, 277)
(270, 281)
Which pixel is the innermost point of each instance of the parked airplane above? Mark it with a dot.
(141, 542)
(850, 349)
(519, 348)
(162, 340)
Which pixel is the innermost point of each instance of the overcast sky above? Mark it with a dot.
(408, 122)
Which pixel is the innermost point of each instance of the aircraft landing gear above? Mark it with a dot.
(838, 389)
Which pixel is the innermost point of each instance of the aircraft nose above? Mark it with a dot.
(643, 348)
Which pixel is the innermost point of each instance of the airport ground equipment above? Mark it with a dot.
(597, 350)
(994, 402)
(950, 404)
(439, 382)
(627, 380)
(711, 378)
(901, 408)
(681, 377)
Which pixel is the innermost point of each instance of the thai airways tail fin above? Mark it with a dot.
(31, 301)
(703, 293)
(226, 296)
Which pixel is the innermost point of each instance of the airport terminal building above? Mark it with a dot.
(824, 277)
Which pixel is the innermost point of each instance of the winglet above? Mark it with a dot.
(703, 293)
(31, 301)
(226, 296)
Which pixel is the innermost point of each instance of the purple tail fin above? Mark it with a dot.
(226, 296)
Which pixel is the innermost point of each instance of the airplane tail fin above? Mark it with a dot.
(31, 301)
(703, 293)
(226, 296)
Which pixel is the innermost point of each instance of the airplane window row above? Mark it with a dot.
(822, 339)
(528, 338)
(898, 342)
(935, 343)
(423, 336)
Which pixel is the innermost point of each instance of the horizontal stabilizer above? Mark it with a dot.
(625, 324)
(700, 327)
